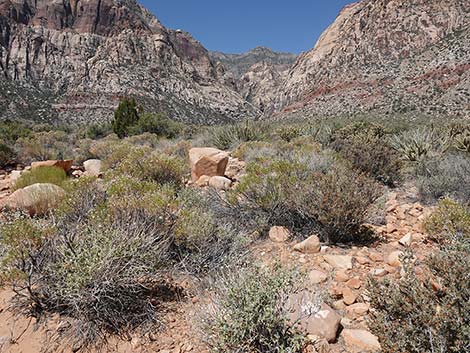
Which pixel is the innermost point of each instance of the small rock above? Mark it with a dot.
(311, 245)
(354, 283)
(376, 257)
(406, 240)
(203, 181)
(341, 276)
(279, 234)
(220, 183)
(317, 277)
(339, 261)
(235, 168)
(349, 297)
(360, 341)
(362, 260)
(378, 272)
(393, 259)
(358, 309)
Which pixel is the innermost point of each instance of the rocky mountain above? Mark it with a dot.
(240, 64)
(74, 59)
(385, 57)
(256, 74)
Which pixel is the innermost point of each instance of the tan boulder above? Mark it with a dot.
(311, 245)
(360, 341)
(349, 297)
(406, 240)
(207, 161)
(220, 183)
(279, 234)
(36, 199)
(203, 181)
(93, 167)
(66, 165)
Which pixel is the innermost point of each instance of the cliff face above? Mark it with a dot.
(76, 58)
(385, 56)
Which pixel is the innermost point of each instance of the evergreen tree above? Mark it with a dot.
(125, 116)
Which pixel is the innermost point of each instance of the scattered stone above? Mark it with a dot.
(362, 260)
(349, 297)
(354, 283)
(358, 309)
(235, 168)
(93, 167)
(203, 181)
(15, 175)
(339, 261)
(393, 259)
(341, 276)
(406, 240)
(207, 161)
(311, 245)
(378, 272)
(220, 183)
(317, 277)
(376, 257)
(279, 234)
(360, 341)
(321, 321)
(36, 199)
(66, 165)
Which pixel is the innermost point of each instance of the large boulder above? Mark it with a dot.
(359, 341)
(65, 165)
(93, 167)
(311, 245)
(36, 199)
(220, 183)
(312, 317)
(207, 161)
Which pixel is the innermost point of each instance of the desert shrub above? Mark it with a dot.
(10, 131)
(153, 166)
(449, 220)
(306, 193)
(50, 175)
(362, 130)
(417, 316)
(98, 130)
(228, 136)
(6, 154)
(371, 156)
(156, 124)
(125, 117)
(248, 313)
(446, 176)
(414, 145)
(45, 145)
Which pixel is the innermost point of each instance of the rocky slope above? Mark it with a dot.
(75, 59)
(385, 56)
(256, 74)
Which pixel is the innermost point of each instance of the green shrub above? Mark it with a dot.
(6, 154)
(10, 131)
(450, 219)
(40, 146)
(446, 176)
(371, 156)
(249, 315)
(304, 194)
(50, 175)
(229, 136)
(156, 124)
(414, 316)
(98, 131)
(414, 145)
(157, 167)
(125, 117)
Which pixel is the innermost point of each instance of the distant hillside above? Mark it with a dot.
(239, 64)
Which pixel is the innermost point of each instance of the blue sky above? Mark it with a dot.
(239, 25)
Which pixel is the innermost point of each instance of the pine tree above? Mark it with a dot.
(125, 116)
